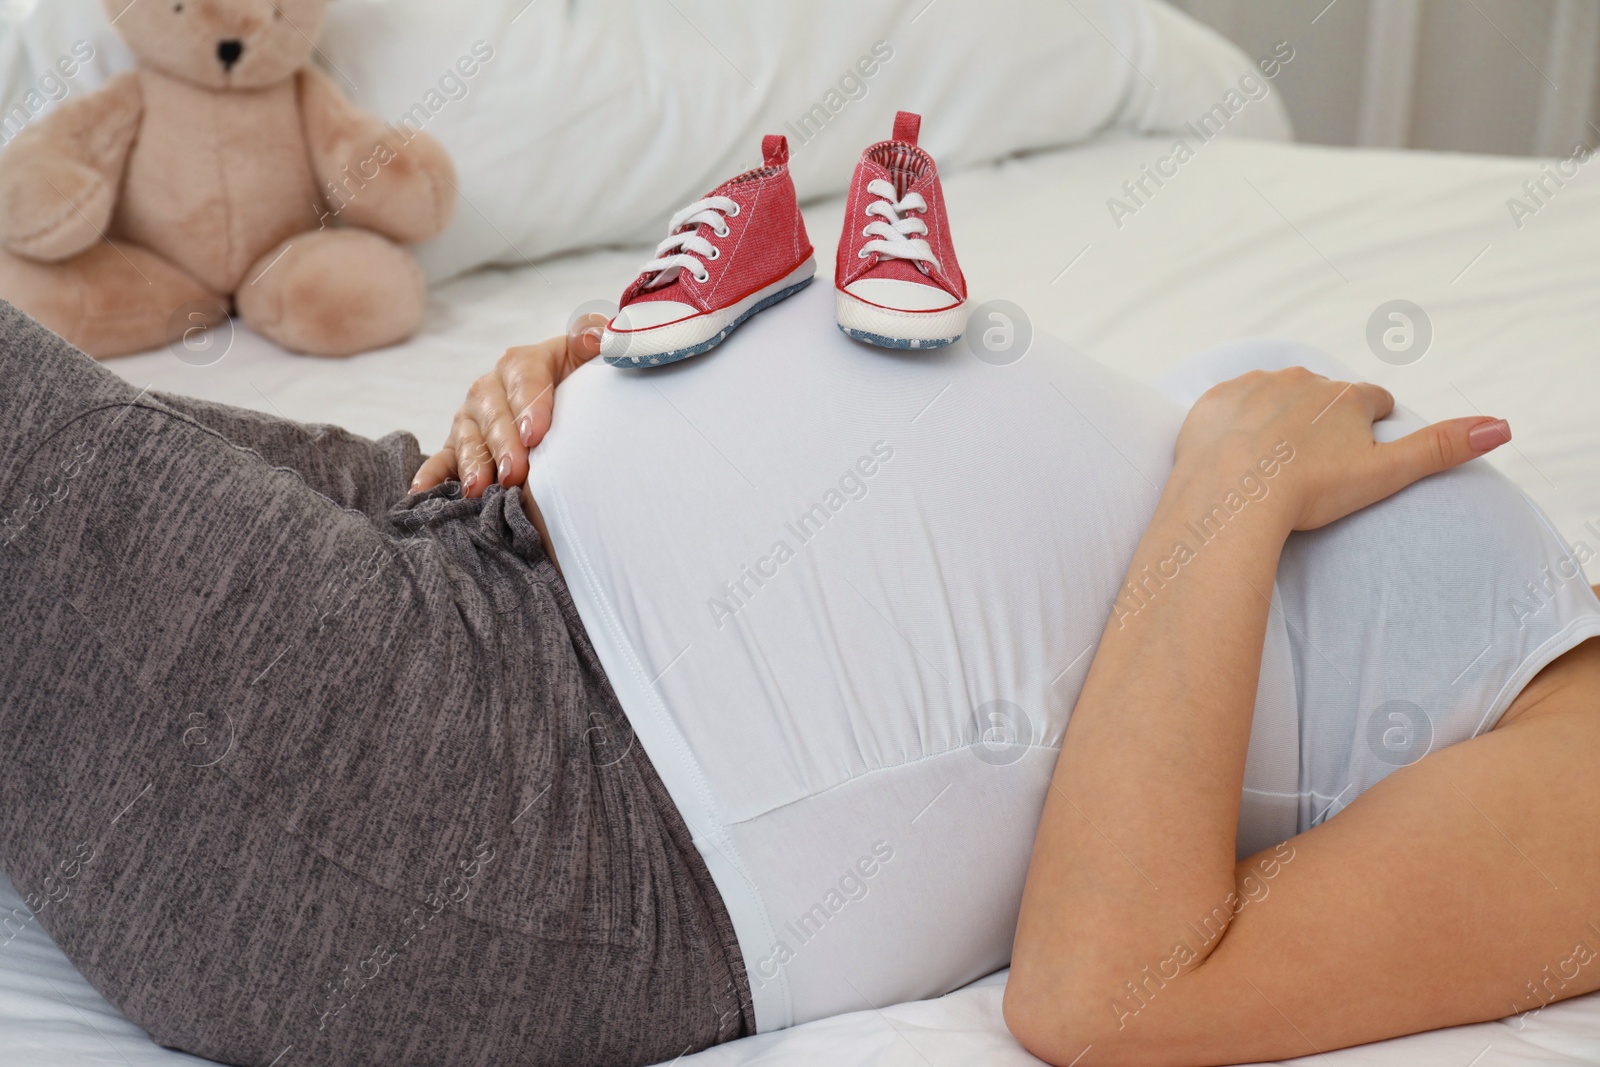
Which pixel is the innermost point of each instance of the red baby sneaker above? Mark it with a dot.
(738, 251)
(898, 284)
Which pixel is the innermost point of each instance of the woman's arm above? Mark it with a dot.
(1135, 850)
(508, 411)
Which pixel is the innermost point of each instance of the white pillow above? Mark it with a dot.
(594, 121)
(582, 122)
(52, 51)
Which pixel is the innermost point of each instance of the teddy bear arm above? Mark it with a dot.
(59, 177)
(397, 182)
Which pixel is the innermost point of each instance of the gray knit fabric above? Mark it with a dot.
(301, 771)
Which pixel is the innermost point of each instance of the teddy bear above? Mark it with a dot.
(224, 173)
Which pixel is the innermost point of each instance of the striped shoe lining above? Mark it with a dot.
(906, 163)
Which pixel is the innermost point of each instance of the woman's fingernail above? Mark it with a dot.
(1489, 434)
(525, 428)
(505, 469)
(591, 336)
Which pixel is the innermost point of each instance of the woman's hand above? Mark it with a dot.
(507, 412)
(1336, 468)
(1120, 869)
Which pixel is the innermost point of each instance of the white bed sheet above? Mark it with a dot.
(1248, 238)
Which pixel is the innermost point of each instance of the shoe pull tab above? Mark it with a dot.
(907, 124)
(775, 149)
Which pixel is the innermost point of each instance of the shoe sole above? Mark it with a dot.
(758, 301)
(888, 328)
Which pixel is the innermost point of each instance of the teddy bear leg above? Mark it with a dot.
(334, 293)
(111, 300)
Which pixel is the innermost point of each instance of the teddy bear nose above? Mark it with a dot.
(229, 52)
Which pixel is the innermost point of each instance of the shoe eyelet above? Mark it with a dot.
(703, 277)
(716, 254)
(862, 254)
(866, 233)
(733, 213)
(722, 232)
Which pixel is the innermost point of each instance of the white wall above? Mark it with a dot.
(1513, 77)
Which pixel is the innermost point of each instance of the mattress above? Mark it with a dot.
(1244, 238)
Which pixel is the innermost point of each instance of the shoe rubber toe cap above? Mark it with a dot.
(899, 295)
(649, 314)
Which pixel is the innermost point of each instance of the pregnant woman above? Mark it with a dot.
(739, 702)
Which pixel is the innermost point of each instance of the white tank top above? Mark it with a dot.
(848, 597)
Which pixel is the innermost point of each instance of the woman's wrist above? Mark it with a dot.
(1218, 489)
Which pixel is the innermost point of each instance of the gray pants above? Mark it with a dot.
(299, 770)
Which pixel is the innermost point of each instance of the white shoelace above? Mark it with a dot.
(893, 235)
(688, 249)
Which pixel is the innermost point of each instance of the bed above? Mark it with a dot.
(1257, 238)
(1248, 237)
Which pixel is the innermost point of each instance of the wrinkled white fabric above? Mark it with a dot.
(848, 598)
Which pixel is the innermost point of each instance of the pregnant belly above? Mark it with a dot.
(847, 598)
(1416, 622)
